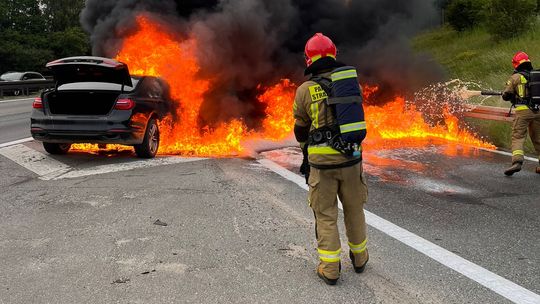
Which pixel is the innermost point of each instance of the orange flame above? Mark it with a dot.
(154, 51)
(404, 125)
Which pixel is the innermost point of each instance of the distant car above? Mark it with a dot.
(97, 101)
(20, 76)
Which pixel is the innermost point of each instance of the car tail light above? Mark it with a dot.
(124, 104)
(38, 103)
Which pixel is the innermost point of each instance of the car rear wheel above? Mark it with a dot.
(56, 149)
(150, 144)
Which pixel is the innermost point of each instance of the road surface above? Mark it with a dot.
(445, 227)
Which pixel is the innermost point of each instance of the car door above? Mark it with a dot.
(155, 91)
(166, 105)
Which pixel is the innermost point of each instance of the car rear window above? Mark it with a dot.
(98, 86)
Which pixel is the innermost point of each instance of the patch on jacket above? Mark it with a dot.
(317, 93)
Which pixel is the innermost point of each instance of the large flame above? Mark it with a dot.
(153, 50)
(403, 124)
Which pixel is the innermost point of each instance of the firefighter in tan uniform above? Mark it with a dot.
(527, 115)
(332, 173)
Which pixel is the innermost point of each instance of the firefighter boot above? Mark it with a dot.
(359, 261)
(329, 279)
(516, 167)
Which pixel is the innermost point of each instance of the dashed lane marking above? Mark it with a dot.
(486, 278)
(48, 168)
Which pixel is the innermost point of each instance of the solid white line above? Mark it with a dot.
(507, 154)
(14, 100)
(34, 161)
(161, 161)
(16, 142)
(496, 283)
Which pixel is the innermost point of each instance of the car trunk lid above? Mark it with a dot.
(89, 69)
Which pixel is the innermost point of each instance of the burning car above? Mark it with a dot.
(96, 100)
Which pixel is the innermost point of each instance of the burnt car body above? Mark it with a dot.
(96, 100)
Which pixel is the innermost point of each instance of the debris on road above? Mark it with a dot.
(121, 281)
(160, 223)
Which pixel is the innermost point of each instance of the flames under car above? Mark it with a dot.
(97, 101)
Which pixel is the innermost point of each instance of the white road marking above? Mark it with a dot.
(14, 100)
(48, 168)
(507, 154)
(494, 282)
(16, 142)
(160, 161)
(34, 161)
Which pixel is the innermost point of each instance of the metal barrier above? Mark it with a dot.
(490, 113)
(24, 87)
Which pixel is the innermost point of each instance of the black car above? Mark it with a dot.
(97, 101)
(20, 76)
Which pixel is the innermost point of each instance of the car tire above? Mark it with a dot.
(150, 144)
(56, 149)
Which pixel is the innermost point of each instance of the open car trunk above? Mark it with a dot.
(97, 103)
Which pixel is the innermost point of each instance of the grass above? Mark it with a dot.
(473, 56)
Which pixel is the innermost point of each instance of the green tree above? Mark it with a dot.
(35, 32)
(70, 42)
(24, 16)
(510, 18)
(62, 14)
(18, 53)
(465, 14)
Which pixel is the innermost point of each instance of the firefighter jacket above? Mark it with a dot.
(516, 91)
(311, 112)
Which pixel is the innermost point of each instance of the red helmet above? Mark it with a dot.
(319, 46)
(519, 58)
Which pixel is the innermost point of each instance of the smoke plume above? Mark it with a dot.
(251, 42)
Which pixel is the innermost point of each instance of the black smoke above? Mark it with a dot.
(251, 42)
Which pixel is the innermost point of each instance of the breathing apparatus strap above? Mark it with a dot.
(331, 136)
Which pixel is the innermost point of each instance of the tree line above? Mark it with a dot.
(35, 32)
(503, 19)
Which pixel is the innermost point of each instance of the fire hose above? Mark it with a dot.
(491, 93)
(497, 93)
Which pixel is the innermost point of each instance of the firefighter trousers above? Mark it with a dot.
(325, 186)
(525, 120)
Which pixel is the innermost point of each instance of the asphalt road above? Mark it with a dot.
(82, 228)
(15, 119)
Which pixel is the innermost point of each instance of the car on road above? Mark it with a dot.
(20, 76)
(96, 100)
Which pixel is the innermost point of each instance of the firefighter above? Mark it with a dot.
(331, 173)
(527, 116)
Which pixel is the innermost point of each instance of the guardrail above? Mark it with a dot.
(24, 87)
(490, 113)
